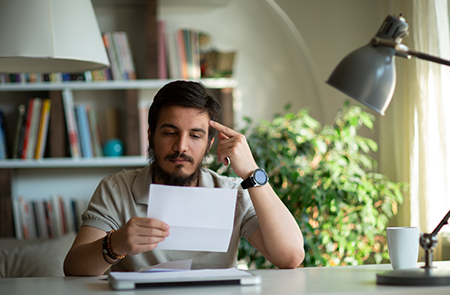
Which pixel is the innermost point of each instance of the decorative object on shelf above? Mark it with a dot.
(40, 36)
(368, 75)
(113, 148)
(213, 62)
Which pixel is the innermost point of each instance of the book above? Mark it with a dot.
(25, 218)
(84, 131)
(113, 60)
(41, 219)
(120, 53)
(128, 56)
(63, 219)
(3, 145)
(172, 56)
(27, 128)
(43, 129)
(19, 131)
(33, 115)
(72, 129)
(195, 51)
(17, 218)
(50, 219)
(57, 216)
(57, 139)
(32, 135)
(68, 214)
(181, 53)
(95, 132)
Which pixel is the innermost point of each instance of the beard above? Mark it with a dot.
(177, 178)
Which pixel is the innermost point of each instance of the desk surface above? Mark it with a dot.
(323, 280)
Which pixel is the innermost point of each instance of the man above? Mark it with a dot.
(181, 131)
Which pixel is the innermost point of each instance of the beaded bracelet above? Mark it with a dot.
(107, 248)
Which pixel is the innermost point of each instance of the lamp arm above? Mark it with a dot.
(404, 51)
(443, 222)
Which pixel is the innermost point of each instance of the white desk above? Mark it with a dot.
(330, 280)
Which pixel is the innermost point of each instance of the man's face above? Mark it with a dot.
(179, 144)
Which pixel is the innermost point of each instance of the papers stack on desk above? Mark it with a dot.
(229, 276)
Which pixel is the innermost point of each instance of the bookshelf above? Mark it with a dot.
(19, 176)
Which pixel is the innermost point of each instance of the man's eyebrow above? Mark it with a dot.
(166, 125)
(201, 130)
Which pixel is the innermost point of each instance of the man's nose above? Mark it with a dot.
(181, 145)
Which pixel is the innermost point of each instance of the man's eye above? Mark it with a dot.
(169, 133)
(196, 136)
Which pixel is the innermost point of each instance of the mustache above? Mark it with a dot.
(179, 155)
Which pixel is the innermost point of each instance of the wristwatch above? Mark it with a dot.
(259, 177)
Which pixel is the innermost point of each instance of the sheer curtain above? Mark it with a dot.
(415, 133)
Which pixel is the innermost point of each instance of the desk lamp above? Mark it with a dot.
(45, 36)
(368, 75)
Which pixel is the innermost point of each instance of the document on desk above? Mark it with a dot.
(200, 219)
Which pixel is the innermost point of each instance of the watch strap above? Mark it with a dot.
(248, 183)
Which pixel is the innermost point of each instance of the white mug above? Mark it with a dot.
(403, 244)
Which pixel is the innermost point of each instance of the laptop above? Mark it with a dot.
(200, 277)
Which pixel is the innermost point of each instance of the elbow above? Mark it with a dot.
(293, 259)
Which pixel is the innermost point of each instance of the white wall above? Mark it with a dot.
(272, 68)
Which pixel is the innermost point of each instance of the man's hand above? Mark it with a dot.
(139, 235)
(234, 145)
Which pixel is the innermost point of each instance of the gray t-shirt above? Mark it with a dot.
(124, 195)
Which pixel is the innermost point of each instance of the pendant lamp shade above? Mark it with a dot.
(45, 36)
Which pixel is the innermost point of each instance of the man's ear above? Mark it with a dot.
(149, 136)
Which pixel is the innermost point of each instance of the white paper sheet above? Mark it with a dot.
(178, 265)
(200, 219)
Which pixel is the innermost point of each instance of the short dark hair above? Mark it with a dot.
(187, 94)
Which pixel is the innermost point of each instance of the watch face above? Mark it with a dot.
(260, 177)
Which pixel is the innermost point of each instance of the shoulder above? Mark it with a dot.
(211, 178)
(125, 175)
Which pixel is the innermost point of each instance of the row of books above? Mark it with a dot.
(189, 54)
(44, 77)
(179, 52)
(49, 218)
(82, 128)
(120, 58)
(31, 129)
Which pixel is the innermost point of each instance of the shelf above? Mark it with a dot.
(124, 161)
(110, 85)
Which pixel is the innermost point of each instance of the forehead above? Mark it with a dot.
(183, 117)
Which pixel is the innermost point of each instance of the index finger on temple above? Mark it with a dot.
(221, 128)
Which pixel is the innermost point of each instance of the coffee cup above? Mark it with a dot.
(403, 244)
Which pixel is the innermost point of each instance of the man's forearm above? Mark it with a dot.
(86, 260)
(281, 237)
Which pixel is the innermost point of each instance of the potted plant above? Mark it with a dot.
(327, 180)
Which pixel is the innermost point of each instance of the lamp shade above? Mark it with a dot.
(50, 36)
(368, 74)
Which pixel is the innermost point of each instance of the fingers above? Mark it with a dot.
(141, 235)
(224, 129)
